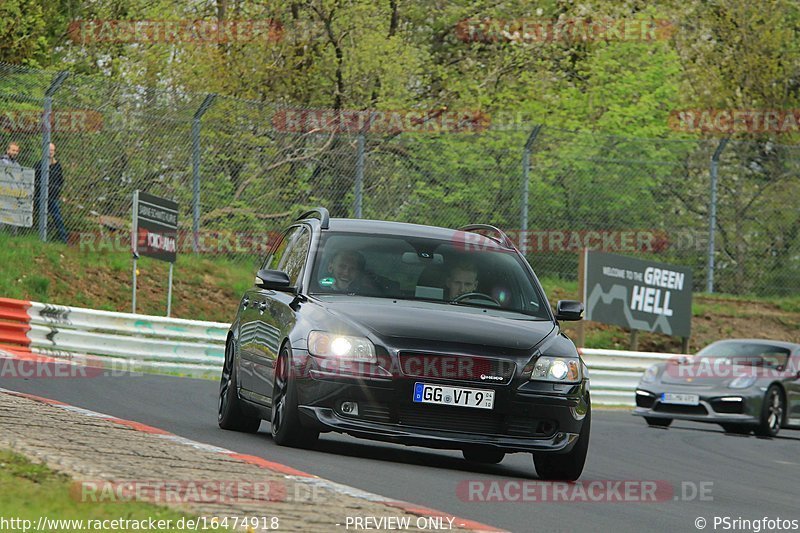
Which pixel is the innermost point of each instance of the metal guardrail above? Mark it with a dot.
(122, 340)
(614, 374)
(197, 347)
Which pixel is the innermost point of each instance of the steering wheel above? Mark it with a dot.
(477, 295)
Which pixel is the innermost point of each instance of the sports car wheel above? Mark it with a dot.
(286, 427)
(565, 466)
(483, 455)
(230, 412)
(658, 422)
(771, 413)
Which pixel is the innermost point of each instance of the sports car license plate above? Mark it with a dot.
(680, 399)
(458, 396)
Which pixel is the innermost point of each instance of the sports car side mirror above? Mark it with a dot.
(273, 280)
(569, 310)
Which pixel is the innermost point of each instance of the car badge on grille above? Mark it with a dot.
(484, 377)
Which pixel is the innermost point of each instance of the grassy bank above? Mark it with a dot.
(203, 289)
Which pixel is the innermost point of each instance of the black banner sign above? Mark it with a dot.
(155, 225)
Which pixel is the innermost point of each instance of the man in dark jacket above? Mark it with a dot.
(55, 182)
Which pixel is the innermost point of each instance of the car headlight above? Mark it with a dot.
(344, 347)
(560, 369)
(742, 382)
(650, 374)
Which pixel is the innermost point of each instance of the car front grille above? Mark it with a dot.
(482, 422)
(375, 412)
(531, 427)
(680, 409)
(645, 401)
(472, 369)
(728, 408)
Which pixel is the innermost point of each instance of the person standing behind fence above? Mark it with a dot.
(55, 182)
(10, 157)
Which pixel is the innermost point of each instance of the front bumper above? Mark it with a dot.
(735, 406)
(527, 416)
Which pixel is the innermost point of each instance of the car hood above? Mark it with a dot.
(426, 321)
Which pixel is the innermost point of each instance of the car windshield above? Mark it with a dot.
(432, 270)
(746, 353)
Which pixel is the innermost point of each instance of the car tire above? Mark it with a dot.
(658, 422)
(772, 413)
(231, 414)
(565, 466)
(286, 428)
(485, 455)
(737, 429)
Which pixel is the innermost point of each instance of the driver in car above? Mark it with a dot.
(462, 279)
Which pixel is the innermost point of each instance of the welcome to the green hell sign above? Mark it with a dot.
(638, 294)
(650, 299)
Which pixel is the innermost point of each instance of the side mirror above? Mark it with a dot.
(273, 280)
(569, 310)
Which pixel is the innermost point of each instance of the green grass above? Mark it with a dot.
(204, 286)
(32, 490)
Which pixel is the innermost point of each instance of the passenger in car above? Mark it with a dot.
(348, 269)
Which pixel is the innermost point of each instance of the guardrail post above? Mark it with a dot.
(526, 168)
(208, 102)
(44, 169)
(712, 218)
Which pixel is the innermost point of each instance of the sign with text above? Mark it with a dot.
(16, 195)
(638, 294)
(155, 226)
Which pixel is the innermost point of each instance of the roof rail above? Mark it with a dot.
(500, 237)
(322, 213)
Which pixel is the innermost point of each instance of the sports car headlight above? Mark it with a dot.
(345, 347)
(560, 369)
(650, 374)
(742, 382)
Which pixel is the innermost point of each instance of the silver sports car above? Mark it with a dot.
(743, 385)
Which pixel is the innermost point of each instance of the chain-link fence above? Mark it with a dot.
(240, 170)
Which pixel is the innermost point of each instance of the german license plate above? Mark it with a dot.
(457, 396)
(680, 399)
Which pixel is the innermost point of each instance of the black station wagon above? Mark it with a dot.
(408, 334)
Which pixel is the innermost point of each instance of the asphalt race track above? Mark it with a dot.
(752, 477)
